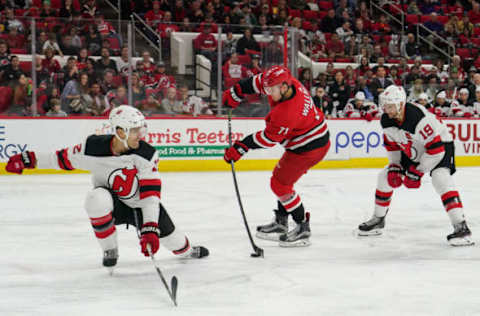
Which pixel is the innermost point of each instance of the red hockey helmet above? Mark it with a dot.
(276, 75)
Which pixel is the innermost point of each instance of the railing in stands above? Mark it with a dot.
(142, 28)
(118, 10)
(449, 53)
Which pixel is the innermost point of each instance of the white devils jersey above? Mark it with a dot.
(132, 176)
(421, 137)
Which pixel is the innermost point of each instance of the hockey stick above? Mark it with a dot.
(258, 251)
(174, 282)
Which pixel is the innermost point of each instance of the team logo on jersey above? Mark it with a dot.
(124, 182)
(407, 147)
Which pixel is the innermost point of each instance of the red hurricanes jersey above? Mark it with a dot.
(296, 123)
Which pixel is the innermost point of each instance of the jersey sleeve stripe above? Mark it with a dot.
(63, 161)
(436, 150)
(257, 80)
(433, 142)
(145, 182)
(262, 140)
(390, 146)
(146, 194)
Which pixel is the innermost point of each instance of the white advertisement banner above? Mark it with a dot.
(181, 139)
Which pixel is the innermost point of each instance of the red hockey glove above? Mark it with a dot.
(367, 116)
(413, 178)
(149, 237)
(232, 97)
(235, 152)
(18, 162)
(395, 175)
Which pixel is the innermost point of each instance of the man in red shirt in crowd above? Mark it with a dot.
(154, 16)
(474, 14)
(233, 71)
(206, 43)
(335, 47)
(103, 27)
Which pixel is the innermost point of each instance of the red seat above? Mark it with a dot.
(20, 12)
(412, 19)
(463, 52)
(475, 41)
(26, 66)
(476, 32)
(425, 18)
(17, 51)
(244, 59)
(306, 25)
(325, 60)
(325, 5)
(393, 61)
(251, 52)
(295, 13)
(344, 60)
(322, 14)
(328, 36)
(5, 98)
(395, 9)
(310, 15)
(388, 38)
(56, 4)
(443, 19)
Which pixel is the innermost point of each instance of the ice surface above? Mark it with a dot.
(50, 262)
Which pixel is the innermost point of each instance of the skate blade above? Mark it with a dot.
(298, 243)
(373, 232)
(110, 271)
(461, 242)
(268, 236)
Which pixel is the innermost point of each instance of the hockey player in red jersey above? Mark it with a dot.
(300, 128)
(126, 185)
(416, 143)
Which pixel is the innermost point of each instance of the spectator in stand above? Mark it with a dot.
(122, 63)
(67, 10)
(229, 46)
(350, 77)
(47, 10)
(474, 85)
(108, 83)
(42, 72)
(193, 105)
(206, 44)
(362, 54)
(50, 63)
(366, 43)
(165, 29)
(341, 8)
(415, 91)
(154, 16)
(170, 105)
(380, 83)
(250, 18)
(318, 50)
(41, 39)
(306, 79)
(394, 77)
(179, 11)
(410, 49)
(255, 68)
(262, 27)
(162, 79)
(329, 22)
(66, 46)
(382, 26)
(89, 9)
(72, 97)
(12, 72)
(413, 8)
(465, 39)
(424, 101)
(186, 26)
(22, 97)
(462, 107)
(56, 109)
(97, 104)
(116, 98)
(380, 63)
(362, 86)
(247, 41)
(15, 40)
(146, 69)
(104, 28)
(433, 25)
(105, 63)
(474, 14)
(476, 102)
(377, 53)
(90, 71)
(339, 92)
(312, 5)
(432, 87)
(335, 47)
(442, 105)
(93, 40)
(70, 70)
(394, 46)
(273, 52)
(322, 102)
(12, 22)
(233, 71)
(330, 72)
(52, 44)
(464, 23)
(82, 58)
(403, 68)
(359, 30)
(344, 32)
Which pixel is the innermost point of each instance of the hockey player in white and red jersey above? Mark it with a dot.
(296, 124)
(416, 143)
(126, 186)
(359, 107)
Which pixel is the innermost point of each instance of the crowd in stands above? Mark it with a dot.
(91, 82)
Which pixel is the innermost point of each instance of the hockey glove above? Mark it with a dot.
(395, 175)
(413, 178)
(235, 152)
(232, 97)
(149, 237)
(18, 162)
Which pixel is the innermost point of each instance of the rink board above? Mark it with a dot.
(197, 144)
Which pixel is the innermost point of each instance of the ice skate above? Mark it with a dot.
(299, 236)
(277, 227)
(372, 227)
(199, 252)
(461, 235)
(110, 258)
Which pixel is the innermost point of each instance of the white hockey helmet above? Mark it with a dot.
(127, 117)
(393, 95)
(360, 96)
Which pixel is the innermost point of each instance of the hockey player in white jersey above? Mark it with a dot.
(416, 143)
(126, 186)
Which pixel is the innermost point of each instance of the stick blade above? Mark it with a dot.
(174, 286)
(258, 253)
